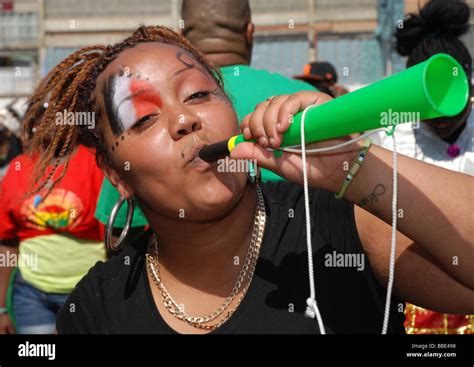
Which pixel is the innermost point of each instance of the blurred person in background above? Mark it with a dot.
(223, 31)
(444, 141)
(10, 126)
(323, 76)
(52, 234)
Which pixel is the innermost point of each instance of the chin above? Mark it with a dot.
(217, 195)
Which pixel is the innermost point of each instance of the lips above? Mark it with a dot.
(194, 154)
(192, 159)
(195, 162)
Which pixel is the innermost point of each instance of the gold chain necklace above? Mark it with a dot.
(245, 274)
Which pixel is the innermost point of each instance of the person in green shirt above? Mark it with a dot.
(223, 31)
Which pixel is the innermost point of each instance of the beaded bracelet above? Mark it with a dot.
(354, 168)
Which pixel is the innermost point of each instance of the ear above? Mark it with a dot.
(249, 33)
(112, 175)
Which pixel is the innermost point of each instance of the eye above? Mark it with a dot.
(198, 95)
(144, 121)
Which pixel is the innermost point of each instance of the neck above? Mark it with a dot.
(226, 59)
(225, 52)
(202, 255)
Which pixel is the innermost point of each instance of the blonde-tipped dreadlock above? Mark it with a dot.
(69, 86)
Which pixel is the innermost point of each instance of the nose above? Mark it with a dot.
(185, 123)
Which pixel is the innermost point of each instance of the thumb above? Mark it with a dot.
(253, 151)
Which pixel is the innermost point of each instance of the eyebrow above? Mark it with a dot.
(202, 71)
(136, 94)
(176, 73)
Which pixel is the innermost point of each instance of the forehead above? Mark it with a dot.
(154, 60)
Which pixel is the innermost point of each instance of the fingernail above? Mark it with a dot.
(272, 142)
(246, 131)
(263, 141)
(278, 125)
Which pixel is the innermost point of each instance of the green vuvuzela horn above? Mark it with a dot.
(434, 88)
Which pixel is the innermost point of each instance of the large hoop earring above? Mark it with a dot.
(110, 224)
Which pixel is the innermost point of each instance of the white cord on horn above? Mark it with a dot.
(312, 309)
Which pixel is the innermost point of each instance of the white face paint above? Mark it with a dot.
(122, 101)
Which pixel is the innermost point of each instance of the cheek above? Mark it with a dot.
(221, 120)
(136, 157)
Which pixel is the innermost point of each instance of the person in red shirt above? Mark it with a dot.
(59, 239)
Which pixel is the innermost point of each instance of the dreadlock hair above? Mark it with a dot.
(435, 29)
(70, 86)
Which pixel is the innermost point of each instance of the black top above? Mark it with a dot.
(115, 296)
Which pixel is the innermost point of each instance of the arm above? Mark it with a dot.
(418, 277)
(436, 203)
(9, 241)
(436, 206)
(6, 247)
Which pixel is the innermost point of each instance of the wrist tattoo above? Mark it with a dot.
(373, 197)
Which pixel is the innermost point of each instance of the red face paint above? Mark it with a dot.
(129, 99)
(145, 99)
